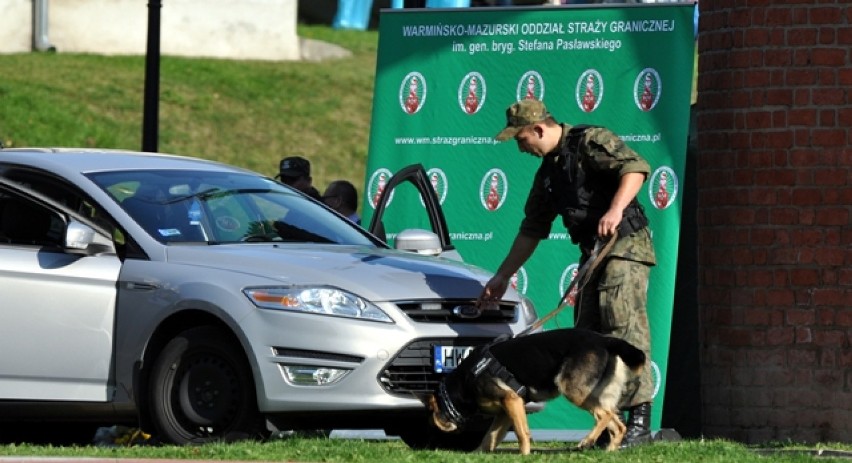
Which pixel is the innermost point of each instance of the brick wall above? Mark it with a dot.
(774, 122)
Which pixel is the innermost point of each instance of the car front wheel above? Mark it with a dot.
(202, 390)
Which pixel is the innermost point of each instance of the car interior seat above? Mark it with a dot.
(150, 207)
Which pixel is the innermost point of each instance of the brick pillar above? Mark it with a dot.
(774, 114)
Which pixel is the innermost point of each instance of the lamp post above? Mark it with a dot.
(151, 104)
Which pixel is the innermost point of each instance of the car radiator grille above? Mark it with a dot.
(456, 311)
(411, 371)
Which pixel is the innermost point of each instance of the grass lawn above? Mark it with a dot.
(394, 451)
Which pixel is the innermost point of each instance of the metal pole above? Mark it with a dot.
(40, 39)
(150, 118)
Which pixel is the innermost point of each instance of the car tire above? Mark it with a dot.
(201, 390)
(422, 435)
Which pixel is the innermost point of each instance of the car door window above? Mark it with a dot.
(66, 195)
(411, 176)
(24, 222)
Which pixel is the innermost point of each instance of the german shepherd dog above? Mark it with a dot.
(591, 370)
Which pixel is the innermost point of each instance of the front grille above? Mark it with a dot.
(411, 371)
(456, 311)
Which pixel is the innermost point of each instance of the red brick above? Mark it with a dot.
(829, 57)
(827, 36)
(802, 97)
(831, 297)
(776, 17)
(770, 357)
(832, 216)
(803, 335)
(779, 118)
(798, 37)
(844, 116)
(756, 37)
(778, 297)
(844, 36)
(829, 137)
(827, 117)
(827, 77)
(845, 279)
(827, 15)
(828, 96)
(803, 117)
(780, 140)
(830, 177)
(756, 316)
(830, 338)
(804, 277)
(776, 58)
(807, 196)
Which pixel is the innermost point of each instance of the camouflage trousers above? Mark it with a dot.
(615, 302)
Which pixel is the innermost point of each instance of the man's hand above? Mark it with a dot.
(493, 291)
(608, 225)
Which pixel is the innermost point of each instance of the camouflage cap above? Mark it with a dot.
(521, 114)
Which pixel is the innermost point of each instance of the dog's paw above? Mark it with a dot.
(586, 444)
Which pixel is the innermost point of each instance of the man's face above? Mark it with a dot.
(299, 183)
(332, 200)
(530, 141)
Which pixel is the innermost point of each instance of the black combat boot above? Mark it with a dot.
(638, 426)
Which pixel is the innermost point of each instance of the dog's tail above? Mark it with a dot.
(630, 354)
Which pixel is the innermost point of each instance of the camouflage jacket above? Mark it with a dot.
(599, 150)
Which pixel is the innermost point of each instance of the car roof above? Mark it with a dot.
(69, 161)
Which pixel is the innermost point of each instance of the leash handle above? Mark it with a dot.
(585, 273)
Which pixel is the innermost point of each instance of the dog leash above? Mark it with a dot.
(584, 274)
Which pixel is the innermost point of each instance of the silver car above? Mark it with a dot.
(204, 302)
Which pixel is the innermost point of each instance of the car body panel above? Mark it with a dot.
(72, 302)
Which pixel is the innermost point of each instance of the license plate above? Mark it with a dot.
(447, 358)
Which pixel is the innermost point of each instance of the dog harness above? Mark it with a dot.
(487, 364)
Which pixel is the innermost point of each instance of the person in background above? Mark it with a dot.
(341, 196)
(590, 178)
(295, 171)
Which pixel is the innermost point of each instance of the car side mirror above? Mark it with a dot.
(78, 236)
(418, 241)
(82, 239)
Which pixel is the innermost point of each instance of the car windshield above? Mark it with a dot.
(224, 207)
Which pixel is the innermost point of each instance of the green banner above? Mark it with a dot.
(444, 80)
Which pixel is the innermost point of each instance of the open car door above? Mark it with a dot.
(436, 240)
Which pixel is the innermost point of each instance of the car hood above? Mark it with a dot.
(374, 273)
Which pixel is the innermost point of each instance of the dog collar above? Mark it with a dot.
(445, 404)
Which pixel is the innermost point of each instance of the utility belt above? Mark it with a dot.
(633, 220)
(582, 224)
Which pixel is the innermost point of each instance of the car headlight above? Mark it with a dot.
(527, 310)
(319, 300)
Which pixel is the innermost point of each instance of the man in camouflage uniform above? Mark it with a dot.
(590, 178)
